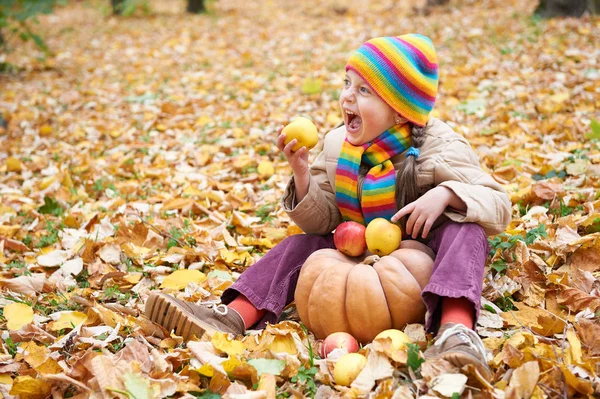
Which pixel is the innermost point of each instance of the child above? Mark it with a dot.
(390, 159)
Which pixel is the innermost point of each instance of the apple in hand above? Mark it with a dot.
(304, 131)
(382, 236)
(349, 238)
(338, 340)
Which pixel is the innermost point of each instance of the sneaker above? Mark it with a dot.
(460, 346)
(187, 319)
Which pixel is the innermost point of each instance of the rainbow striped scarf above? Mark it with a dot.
(379, 187)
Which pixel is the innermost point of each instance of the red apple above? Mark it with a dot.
(349, 238)
(339, 340)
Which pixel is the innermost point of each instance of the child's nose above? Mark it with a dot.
(348, 95)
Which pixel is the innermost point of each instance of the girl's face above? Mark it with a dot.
(365, 114)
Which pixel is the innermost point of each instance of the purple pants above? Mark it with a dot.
(461, 251)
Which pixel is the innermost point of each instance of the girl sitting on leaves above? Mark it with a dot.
(420, 171)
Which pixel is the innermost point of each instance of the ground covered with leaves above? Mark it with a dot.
(141, 156)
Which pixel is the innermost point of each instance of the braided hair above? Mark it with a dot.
(407, 189)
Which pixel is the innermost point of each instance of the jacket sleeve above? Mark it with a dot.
(488, 205)
(317, 213)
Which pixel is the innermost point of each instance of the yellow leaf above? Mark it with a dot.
(333, 118)
(177, 203)
(34, 354)
(575, 346)
(30, 388)
(230, 364)
(206, 370)
(6, 379)
(13, 164)
(17, 315)
(179, 279)
(67, 320)
(222, 343)
(203, 121)
(266, 169)
(45, 130)
(283, 343)
(46, 182)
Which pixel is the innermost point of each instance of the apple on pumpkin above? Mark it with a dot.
(304, 131)
(382, 236)
(349, 238)
(338, 340)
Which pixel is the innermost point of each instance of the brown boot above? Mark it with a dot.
(460, 346)
(187, 319)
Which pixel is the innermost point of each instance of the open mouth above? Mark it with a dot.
(353, 123)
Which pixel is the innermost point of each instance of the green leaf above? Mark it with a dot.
(205, 395)
(489, 308)
(472, 107)
(414, 360)
(595, 133)
(138, 387)
(268, 366)
(223, 275)
(51, 207)
(534, 234)
(312, 86)
(499, 266)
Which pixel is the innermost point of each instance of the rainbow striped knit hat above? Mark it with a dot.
(403, 71)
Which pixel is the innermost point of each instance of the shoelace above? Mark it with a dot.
(471, 339)
(216, 306)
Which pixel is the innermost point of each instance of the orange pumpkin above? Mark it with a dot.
(363, 296)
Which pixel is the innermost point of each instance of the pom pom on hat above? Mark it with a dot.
(403, 71)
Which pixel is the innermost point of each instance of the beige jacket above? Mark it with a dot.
(446, 159)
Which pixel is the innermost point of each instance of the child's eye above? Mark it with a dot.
(346, 82)
(364, 90)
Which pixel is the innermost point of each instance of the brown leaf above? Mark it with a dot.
(589, 331)
(577, 300)
(546, 190)
(524, 379)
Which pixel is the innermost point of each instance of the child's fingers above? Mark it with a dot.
(288, 149)
(402, 212)
(411, 222)
(417, 227)
(427, 227)
(280, 141)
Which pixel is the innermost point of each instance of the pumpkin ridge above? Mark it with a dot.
(403, 294)
(371, 312)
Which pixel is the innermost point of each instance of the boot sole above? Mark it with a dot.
(164, 310)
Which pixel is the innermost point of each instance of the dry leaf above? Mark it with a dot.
(17, 315)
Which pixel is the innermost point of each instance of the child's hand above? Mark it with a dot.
(425, 211)
(298, 160)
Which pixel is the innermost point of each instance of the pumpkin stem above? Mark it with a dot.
(371, 260)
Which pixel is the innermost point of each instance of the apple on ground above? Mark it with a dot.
(338, 340)
(349, 238)
(304, 131)
(348, 367)
(399, 339)
(382, 236)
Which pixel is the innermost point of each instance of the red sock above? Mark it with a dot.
(247, 310)
(459, 311)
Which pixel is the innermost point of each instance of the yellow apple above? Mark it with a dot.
(304, 131)
(383, 237)
(348, 367)
(399, 339)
